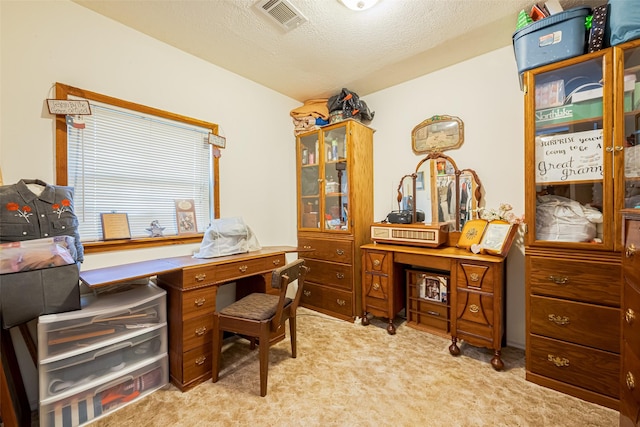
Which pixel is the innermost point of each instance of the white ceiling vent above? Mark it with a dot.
(282, 12)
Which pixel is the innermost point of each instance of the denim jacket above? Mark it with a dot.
(25, 215)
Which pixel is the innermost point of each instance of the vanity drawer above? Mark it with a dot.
(585, 367)
(328, 250)
(329, 273)
(323, 298)
(197, 331)
(591, 281)
(577, 322)
(376, 288)
(631, 318)
(475, 276)
(474, 314)
(196, 364)
(377, 262)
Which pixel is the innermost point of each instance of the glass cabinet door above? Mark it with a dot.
(309, 158)
(569, 155)
(336, 179)
(629, 142)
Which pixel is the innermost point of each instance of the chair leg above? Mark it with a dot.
(217, 352)
(264, 363)
(292, 333)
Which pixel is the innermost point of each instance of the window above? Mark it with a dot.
(137, 160)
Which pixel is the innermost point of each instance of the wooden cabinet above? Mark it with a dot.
(335, 212)
(582, 166)
(630, 372)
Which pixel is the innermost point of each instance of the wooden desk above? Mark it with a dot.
(192, 285)
(476, 290)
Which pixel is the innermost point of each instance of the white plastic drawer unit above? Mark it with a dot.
(64, 376)
(103, 318)
(95, 400)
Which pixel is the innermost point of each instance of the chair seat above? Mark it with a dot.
(255, 306)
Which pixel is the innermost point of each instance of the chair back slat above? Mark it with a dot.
(281, 278)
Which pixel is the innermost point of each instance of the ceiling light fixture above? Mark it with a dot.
(359, 4)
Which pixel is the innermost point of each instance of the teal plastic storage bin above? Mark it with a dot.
(623, 22)
(551, 39)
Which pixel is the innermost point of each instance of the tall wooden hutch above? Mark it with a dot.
(582, 166)
(335, 212)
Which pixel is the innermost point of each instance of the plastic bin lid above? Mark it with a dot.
(551, 20)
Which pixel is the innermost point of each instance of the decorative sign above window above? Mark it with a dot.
(67, 106)
(217, 141)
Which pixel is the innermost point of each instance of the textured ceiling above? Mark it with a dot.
(365, 51)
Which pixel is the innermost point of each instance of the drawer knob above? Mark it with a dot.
(201, 331)
(629, 316)
(276, 262)
(559, 280)
(340, 275)
(559, 320)
(474, 277)
(630, 380)
(307, 247)
(341, 302)
(376, 262)
(474, 308)
(560, 362)
(339, 251)
(200, 360)
(630, 250)
(306, 293)
(200, 277)
(376, 286)
(243, 268)
(199, 302)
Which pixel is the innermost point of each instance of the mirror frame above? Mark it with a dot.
(429, 136)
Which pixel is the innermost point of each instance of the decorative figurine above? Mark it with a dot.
(155, 229)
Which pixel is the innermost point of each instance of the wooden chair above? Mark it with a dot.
(261, 317)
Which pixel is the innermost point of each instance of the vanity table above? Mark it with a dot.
(476, 290)
(426, 266)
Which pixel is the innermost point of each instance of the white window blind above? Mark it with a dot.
(127, 162)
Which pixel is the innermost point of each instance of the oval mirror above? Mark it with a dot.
(437, 134)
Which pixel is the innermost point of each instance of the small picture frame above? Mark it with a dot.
(472, 233)
(432, 288)
(497, 238)
(115, 226)
(186, 216)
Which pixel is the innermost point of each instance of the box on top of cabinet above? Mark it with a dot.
(103, 318)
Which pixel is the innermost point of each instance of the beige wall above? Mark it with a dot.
(47, 42)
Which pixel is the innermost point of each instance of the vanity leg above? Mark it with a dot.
(391, 328)
(365, 319)
(453, 348)
(496, 361)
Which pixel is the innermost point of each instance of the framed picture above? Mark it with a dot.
(115, 226)
(433, 288)
(186, 216)
(497, 238)
(472, 232)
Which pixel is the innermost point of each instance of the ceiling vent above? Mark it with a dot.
(282, 13)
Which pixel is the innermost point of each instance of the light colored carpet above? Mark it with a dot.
(350, 375)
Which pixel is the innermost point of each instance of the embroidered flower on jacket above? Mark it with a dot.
(64, 206)
(25, 212)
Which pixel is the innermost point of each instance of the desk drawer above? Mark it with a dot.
(576, 322)
(377, 262)
(329, 273)
(630, 387)
(196, 364)
(587, 281)
(585, 367)
(198, 302)
(334, 300)
(631, 318)
(197, 331)
(229, 271)
(328, 250)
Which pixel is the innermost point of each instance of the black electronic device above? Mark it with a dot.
(404, 217)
